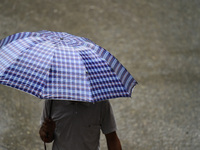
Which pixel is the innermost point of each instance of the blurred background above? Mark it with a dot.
(157, 41)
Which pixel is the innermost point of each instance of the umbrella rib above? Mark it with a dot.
(86, 73)
(47, 74)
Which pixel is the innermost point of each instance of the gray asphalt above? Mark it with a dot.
(157, 41)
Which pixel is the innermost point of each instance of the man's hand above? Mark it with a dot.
(47, 130)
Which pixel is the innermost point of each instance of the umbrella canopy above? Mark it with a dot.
(58, 65)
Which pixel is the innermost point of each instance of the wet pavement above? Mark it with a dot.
(157, 41)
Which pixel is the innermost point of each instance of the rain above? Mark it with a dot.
(157, 41)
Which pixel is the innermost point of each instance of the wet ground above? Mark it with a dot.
(157, 41)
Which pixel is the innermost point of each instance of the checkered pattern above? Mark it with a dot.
(58, 65)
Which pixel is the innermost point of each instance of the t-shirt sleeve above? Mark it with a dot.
(108, 123)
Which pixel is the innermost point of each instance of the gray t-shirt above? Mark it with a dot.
(78, 124)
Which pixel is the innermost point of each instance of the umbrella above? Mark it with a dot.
(61, 66)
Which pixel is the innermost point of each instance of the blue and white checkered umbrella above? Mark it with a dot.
(58, 65)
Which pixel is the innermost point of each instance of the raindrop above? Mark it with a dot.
(111, 69)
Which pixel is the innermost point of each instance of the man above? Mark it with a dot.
(77, 125)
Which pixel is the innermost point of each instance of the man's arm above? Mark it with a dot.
(113, 141)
